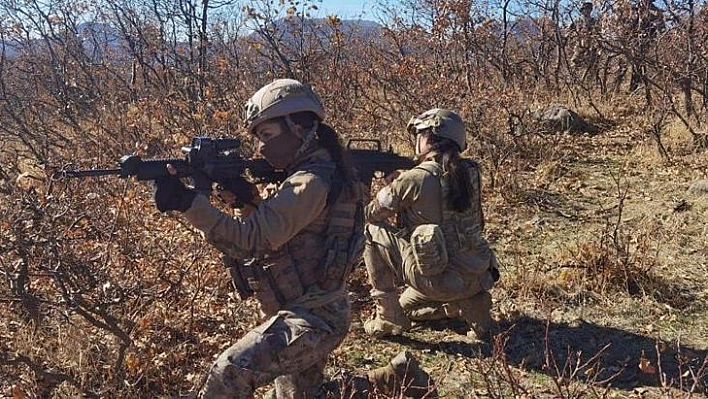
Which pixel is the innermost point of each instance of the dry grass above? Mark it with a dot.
(603, 251)
(603, 291)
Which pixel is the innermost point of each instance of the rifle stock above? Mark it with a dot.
(369, 162)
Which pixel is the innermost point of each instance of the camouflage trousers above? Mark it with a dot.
(390, 263)
(291, 348)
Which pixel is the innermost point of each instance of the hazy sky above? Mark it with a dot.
(347, 8)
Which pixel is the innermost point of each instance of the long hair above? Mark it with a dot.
(448, 154)
(328, 139)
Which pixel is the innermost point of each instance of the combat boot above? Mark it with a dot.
(389, 318)
(402, 377)
(476, 312)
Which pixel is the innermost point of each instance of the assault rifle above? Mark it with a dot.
(206, 161)
(216, 160)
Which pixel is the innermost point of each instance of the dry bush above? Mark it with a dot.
(618, 259)
(105, 297)
(613, 262)
(89, 272)
(580, 375)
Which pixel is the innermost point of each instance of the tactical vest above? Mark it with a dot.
(311, 269)
(458, 234)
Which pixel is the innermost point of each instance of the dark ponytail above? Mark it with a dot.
(448, 153)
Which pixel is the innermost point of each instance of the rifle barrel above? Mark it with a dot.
(87, 173)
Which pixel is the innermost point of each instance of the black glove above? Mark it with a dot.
(243, 191)
(172, 195)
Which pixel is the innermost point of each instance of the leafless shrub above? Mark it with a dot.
(618, 259)
(106, 299)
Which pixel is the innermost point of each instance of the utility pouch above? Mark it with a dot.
(275, 281)
(340, 259)
(429, 249)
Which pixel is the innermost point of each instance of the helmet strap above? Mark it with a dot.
(422, 156)
(307, 139)
(417, 144)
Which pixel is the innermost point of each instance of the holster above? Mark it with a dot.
(238, 280)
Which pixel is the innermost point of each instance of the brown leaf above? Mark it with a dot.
(646, 367)
(18, 392)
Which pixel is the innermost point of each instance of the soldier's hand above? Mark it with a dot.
(238, 192)
(170, 194)
(226, 196)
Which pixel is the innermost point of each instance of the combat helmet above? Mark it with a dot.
(443, 122)
(587, 5)
(281, 97)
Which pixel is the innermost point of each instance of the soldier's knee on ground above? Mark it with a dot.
(429, 312)
(418, 307)
(476, 311)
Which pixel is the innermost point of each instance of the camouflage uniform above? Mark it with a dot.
(297, 247)
(646, 23)
(295, 341)
(453, 287)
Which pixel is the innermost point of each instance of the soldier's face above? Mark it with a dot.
(277, 144)
(422, 144)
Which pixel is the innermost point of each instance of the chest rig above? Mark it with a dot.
(460, 230)
(311, 269)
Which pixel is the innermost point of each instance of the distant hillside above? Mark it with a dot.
(105, 42)
(289, 28)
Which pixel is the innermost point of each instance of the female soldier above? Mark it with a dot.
(437, 249)
(298, 246)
